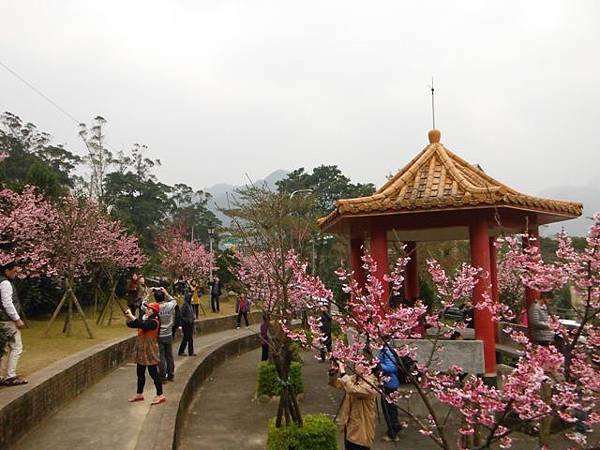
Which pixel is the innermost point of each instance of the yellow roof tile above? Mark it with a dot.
(437, 178)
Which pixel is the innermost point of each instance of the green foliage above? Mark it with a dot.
(189, 211)
(142, 205)
(427, 292)
(38, 295)
(33, 160)
(147, 205)
(226, 264)
(327, 183)
(268, 381)
(319, 432)
(296, 352)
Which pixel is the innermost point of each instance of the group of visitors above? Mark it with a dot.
(156, 323)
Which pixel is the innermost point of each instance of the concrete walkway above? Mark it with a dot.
(224, 415)
(101, 418)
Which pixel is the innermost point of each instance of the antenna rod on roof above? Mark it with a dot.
(432, 103)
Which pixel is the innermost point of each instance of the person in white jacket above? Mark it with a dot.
(10, 320)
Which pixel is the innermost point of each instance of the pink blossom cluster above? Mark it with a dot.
(62, 240)
(181, 257)
(26, 224)
(559, 380)
(278, 284)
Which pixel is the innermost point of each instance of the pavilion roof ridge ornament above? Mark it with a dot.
(439, 179)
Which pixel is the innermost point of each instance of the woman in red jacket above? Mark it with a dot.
(146, 351)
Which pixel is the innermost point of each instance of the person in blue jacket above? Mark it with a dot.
(389, 368)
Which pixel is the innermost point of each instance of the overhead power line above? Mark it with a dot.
(48, 99)
(40, 93)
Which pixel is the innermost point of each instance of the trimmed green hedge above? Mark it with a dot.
(319, 432)
(268, 381)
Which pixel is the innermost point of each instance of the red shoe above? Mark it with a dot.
(159, 399)
(136, 398)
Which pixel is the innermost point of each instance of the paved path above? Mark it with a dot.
(101, 418)
(224, 416)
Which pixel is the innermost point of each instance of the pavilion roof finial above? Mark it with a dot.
(434, 136)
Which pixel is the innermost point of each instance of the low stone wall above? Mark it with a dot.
(163, 425)
(23, 407)
(225, 323)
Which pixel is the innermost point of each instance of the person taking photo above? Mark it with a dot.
(146, 350)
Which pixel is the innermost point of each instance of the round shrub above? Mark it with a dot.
(318, 432)
(268, 381)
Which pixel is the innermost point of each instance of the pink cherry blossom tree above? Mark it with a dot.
(180, 257)
(274, 278)
(279, 286)
(26, 220)
(560, 382)
(116, 251)
(74, 244)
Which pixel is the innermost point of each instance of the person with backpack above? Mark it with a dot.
(388, 367)
(11, 322)
(243, 307)
(146, 350)
(188, 317)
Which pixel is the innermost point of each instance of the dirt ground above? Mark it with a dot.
(225, 416)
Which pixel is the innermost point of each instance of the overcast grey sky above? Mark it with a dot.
(218, 88)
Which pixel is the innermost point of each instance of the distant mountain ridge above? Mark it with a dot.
(222, 192)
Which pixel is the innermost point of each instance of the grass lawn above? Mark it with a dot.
(40, 352)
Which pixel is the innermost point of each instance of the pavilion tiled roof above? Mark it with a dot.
(438, 179)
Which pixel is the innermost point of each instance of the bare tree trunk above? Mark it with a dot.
(80, 310)
(69, 314)
(55, 314)
(109, 306)
(100, 318)
(111, 300)
(288, 405)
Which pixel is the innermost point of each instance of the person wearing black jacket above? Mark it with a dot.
(188, 317)
(215, 294)
(326, 330)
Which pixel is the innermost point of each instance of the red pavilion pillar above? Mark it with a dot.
(356, 264)
(379, 252)
(411, 282)
(484, 325)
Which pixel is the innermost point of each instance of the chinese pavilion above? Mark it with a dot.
(439, 196)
